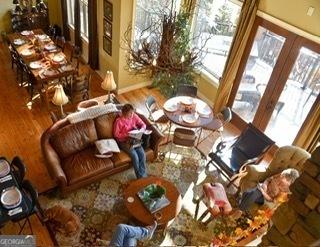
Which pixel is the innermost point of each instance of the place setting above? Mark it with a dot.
(19, 42)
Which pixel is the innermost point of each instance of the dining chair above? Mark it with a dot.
(30, 196)
(60, 42)
(156, 114)
(183, 137)
(248, 148)
(217, 124)
(80, 88)
(187, 90)
(18, 168)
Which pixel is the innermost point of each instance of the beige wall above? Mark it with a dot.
(6, 6)
(294, 12)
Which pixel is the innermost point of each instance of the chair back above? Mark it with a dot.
(151, 104)
(252, 143)
(19, 169)
(287, 157)
(187, 90)
(184, 137)
(60, 42)
(80, 88)
(226, 115)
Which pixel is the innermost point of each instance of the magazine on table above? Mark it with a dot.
(153, 197)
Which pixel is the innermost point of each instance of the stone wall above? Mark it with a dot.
(297, 222)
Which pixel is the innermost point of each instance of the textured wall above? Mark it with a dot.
(297, 222)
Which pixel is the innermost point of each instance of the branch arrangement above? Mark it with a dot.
(165, 51)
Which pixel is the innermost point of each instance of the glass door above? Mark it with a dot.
(300, 92)
(278, 82)
(263, 57)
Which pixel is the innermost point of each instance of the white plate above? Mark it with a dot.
(26, 33)
(189, 118)
(35, 65)
(4, 168)
(130, 199)
(26, 52)
(11, 197)
(50, 47)
(58, 58)
(205, 111)
(19, 42)
(171, 108)
(67, 68)
(42, 37)
(187, 100)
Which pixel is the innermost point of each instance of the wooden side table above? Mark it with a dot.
(141, 213)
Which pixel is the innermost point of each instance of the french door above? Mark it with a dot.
(277, 83)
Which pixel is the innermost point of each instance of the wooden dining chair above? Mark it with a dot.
(183, 137)
(216, 125)
(60, 42)
(187, 90)
(80, 88)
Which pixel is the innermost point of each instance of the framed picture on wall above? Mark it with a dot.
(107, 45)
(107, 28)
(108, 10)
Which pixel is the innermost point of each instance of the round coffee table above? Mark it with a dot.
(141, 213)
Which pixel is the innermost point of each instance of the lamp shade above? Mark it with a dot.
(18, 9)
(108, 83)
(59, 98)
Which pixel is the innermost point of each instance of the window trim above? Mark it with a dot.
(83, 35)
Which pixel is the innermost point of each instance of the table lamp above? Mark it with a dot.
(60, 98)
(108, 84)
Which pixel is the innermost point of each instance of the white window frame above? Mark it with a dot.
(83, 17)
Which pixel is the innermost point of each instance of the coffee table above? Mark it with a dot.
(138, 210)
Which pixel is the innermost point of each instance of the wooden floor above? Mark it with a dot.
(22, 124)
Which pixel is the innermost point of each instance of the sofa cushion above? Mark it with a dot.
(104, 125)
(74, 138)
(83, 165)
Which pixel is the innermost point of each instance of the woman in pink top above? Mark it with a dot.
(126, 122)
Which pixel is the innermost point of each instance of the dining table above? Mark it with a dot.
(190, 112)
(45, 59)
(8, 181)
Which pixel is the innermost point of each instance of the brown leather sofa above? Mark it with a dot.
(68, 150)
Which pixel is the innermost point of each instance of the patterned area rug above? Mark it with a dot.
(100, 205)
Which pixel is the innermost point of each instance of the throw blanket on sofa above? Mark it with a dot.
(91, 113)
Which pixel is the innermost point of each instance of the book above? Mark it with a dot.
(153, 197)
(137, 133)
(106, 146)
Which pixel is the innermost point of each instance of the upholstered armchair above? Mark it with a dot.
(285, 157)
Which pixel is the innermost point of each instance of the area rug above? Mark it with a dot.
(100, 206)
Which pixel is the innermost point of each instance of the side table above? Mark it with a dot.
(141, 213)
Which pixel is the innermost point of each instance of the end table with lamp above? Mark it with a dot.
(60, 98)
(109, 84)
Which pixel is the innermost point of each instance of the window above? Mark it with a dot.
(83, 16)
(147, 13)
(215, 22)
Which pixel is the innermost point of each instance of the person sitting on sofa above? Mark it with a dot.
(128, 121)
(269, 190)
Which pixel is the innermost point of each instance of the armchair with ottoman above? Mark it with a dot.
(69, 151)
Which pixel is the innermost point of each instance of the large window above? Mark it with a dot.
(83, 16)
(149, 12)
(214, 26)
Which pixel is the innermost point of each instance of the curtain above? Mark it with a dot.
(309, 135)
(77, 24)
(245, 23)
(65, 27)
(93, 35)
